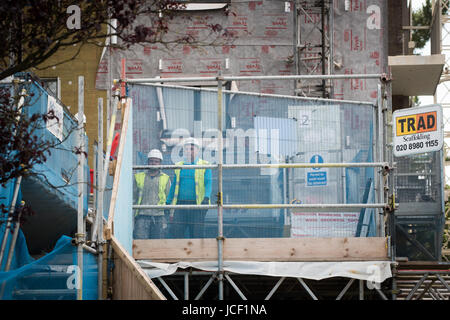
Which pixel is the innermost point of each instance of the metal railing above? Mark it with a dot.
(352, 206)
(380, 151)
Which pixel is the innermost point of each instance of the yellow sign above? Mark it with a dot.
(417, 130)
(416, 123)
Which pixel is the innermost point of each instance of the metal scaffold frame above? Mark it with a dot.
(312, 57)
(92, 239)
(312, 292)
(442, 94)
(421, 282)
(383, 161)
(12, 223)
(84, 240)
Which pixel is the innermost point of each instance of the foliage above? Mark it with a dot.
(423, 17)
(20, 147)
(33, 31)
(19, 215)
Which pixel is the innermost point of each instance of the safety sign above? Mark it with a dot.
(316, 176)
(417, 130)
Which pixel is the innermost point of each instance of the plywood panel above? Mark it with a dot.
(109, 229)
(263, 249)
(129, 281)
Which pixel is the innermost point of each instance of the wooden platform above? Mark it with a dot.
(263, 249)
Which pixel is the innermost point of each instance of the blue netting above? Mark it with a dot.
(61, 165)
(52, 277)
(20, 256)
(357, 192)
(60, 168)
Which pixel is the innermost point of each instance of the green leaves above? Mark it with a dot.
(423, 17)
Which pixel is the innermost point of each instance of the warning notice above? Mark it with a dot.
(316, 176)
(323, 224)
(418, 130)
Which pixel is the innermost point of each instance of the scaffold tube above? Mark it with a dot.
(240, 78)
(269, 165)
(10, 218)
(258, 94)
(80, 236)
(220, 191)
(265, 206)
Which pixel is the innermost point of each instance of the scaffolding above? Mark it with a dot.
(440, 43)
(382, 166)
(314, 65)
(313, 46)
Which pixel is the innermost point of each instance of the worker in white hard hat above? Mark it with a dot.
(150, 187)
(190, 187)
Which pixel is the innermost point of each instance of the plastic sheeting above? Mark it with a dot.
(376, 271)
(52, 277)
(52, 190)
(59, 167)
(20, 256)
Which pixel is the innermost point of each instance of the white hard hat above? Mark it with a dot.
(155, 153)
(191, 140)
(84, 118)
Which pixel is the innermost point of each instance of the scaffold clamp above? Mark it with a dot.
(219, 198)
(385, 78)
(387, 169)
(80, 238)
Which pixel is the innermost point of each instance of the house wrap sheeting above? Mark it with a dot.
(263, 44)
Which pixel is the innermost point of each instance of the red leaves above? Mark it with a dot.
(20, 147)
(42, 28)
(78, 150)
(20, 214)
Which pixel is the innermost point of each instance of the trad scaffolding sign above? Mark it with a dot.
(417, 130)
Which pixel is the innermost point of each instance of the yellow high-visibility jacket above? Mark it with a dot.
(140, 181)
(199, 182)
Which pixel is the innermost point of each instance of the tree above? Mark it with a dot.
(32, 31)
(20, 147)
(423, 17)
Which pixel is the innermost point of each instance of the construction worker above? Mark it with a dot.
(190, 187)
(150, 187)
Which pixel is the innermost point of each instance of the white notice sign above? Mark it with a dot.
(55, 126)
(417, 130)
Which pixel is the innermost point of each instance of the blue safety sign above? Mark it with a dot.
(316, 159)
(316, 178)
